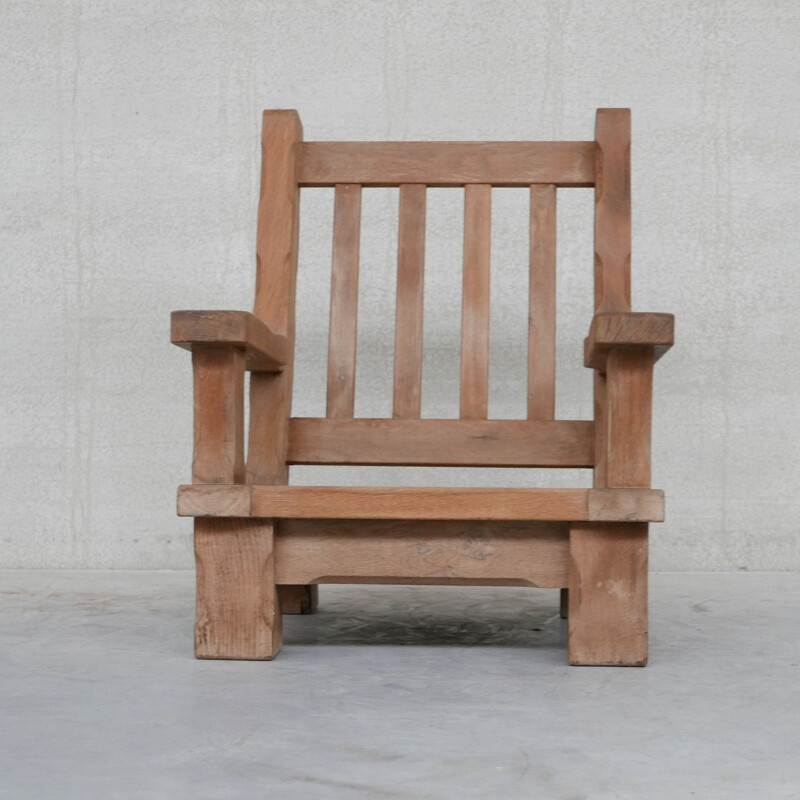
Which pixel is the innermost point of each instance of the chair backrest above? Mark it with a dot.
(290, 164)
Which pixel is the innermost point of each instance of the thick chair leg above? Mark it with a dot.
(608, 594)
(298, 598)
(238, 615)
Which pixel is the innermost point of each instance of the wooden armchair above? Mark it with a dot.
(262, 546)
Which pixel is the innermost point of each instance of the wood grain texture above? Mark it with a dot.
(600, 430)
(629, 402)
(612, 220)
(276, 282)
(218, 415)
(344, 301)
(371, 502)
(608, 594)
(265, 351)
(627, 330)
(410, 284)
(475, 302)
(237, 602)
(447, 163)
(542, 304)
(386, 551)
(445, 442)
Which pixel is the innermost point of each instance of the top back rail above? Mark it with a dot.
(542, 167)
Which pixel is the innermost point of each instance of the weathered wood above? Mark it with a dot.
(629, 330)
(475, 302)
(265, 351)
(612, 220)
(237, 603)
(442, 442)
(372, 502)
(410, 282)
(344, 301)
(218, 415)
(387, 551)
(542, 304)
(629, 402)
(608, 594)
(276, 282)
(447, 163)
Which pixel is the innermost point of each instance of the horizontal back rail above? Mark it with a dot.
(447, 163)
(441, 442)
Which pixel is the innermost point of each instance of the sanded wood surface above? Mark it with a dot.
(276, 283)
(344, 301)
(542, 304)
(627, 329)
(410, 283)
(608, 594)
(447, 163)
(371, 502)
(392, 551)
(442, 442)
(237, 603)
(612, 220)
(629, 403)
(218, 415)
(475, 302)
(264, 350)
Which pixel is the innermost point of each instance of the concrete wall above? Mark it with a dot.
(129, 184)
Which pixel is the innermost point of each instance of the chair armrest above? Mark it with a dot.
(265, 350)
(626, 329)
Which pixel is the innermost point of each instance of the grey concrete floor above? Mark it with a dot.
(396, 692)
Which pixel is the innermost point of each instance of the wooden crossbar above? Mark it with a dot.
(447, 163)
(442, 442)
(346, 502)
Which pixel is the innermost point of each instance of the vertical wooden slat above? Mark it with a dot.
(218, 415)
(344, 301)
(542, 304)
(612, 228)
(475, 302)
(410, 282)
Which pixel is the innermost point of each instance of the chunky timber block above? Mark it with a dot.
(608, 594)
(238, 614)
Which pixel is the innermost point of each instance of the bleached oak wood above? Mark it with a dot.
(442, 442)
(372, 502)
(447, 163)
(408, 323)
(391, 551)
(237, 604)
(475, 302)
(627, 330)
(344, 301)
(542, 304)
(265, 351)
(218, 415)
(612, 229)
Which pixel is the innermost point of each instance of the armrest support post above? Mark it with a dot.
(628, 416)
(218, 414)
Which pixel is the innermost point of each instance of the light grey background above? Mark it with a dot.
(128, 181)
